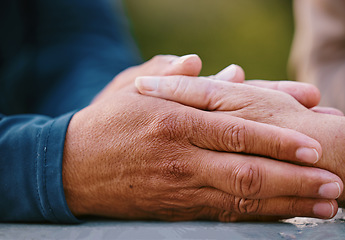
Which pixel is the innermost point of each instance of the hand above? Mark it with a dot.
(130, 156)
(190, 65)
(256, 104)
(161, 65)
(145, 165)
(307, 94)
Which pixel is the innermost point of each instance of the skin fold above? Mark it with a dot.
(261, 105)
(131, 156)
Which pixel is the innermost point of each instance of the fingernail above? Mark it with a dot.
(308, 155)
(324, 210)
(227, 73)
(330, 190)
(184, 58)
(147, 84)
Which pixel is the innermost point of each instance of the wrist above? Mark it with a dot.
(72, 171)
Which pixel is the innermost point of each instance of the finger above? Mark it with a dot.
(325, 209)
(161, 65)
(221, 132)
(233, 217)
(230, 133)
(223, 207)
(297, 207)
(202, 92)
(221, 215)
(165, 65)
(237, 135)
(328, 110)
(232, 73)
(257, 178)
(307, 94)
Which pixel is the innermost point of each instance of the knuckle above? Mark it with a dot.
(213, 94)
(163, 59)
(234, 136)
(174, 214)
(225, 201)
(178, 86)
(167, 125)
(247, 206)
(277, 148)
(292, 207)
(229, 216)
(166, 214)
(172, 149)
(158, 58)
(176, 169)
(248, 180)
(226, 216)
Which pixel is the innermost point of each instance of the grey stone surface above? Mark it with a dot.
(297, 228)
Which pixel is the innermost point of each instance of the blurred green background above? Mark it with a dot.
(254, 34)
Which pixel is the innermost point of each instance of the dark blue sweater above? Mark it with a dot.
(55, 56)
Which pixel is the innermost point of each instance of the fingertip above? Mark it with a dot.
(307, 149)
(325, 210)
(189, 65)
(137, 84)
(165, 65)
(232, 73)
(307, 94)
(317, 148)
(314, 96)
(187, 58)
(308, 155)
(331, 190)
(240, 74)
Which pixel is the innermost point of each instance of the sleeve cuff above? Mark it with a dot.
(49, 171)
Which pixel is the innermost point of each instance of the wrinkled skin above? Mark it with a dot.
(130, 156)
(260, 105)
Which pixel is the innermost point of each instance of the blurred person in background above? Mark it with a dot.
(318, 53)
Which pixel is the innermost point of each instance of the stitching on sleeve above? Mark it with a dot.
(44, 171)
(38, 197)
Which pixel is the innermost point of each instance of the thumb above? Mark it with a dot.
(166, 65)
(204, 93)
(232, 73)
(160, 65)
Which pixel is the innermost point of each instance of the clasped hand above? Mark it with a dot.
(131, 156)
